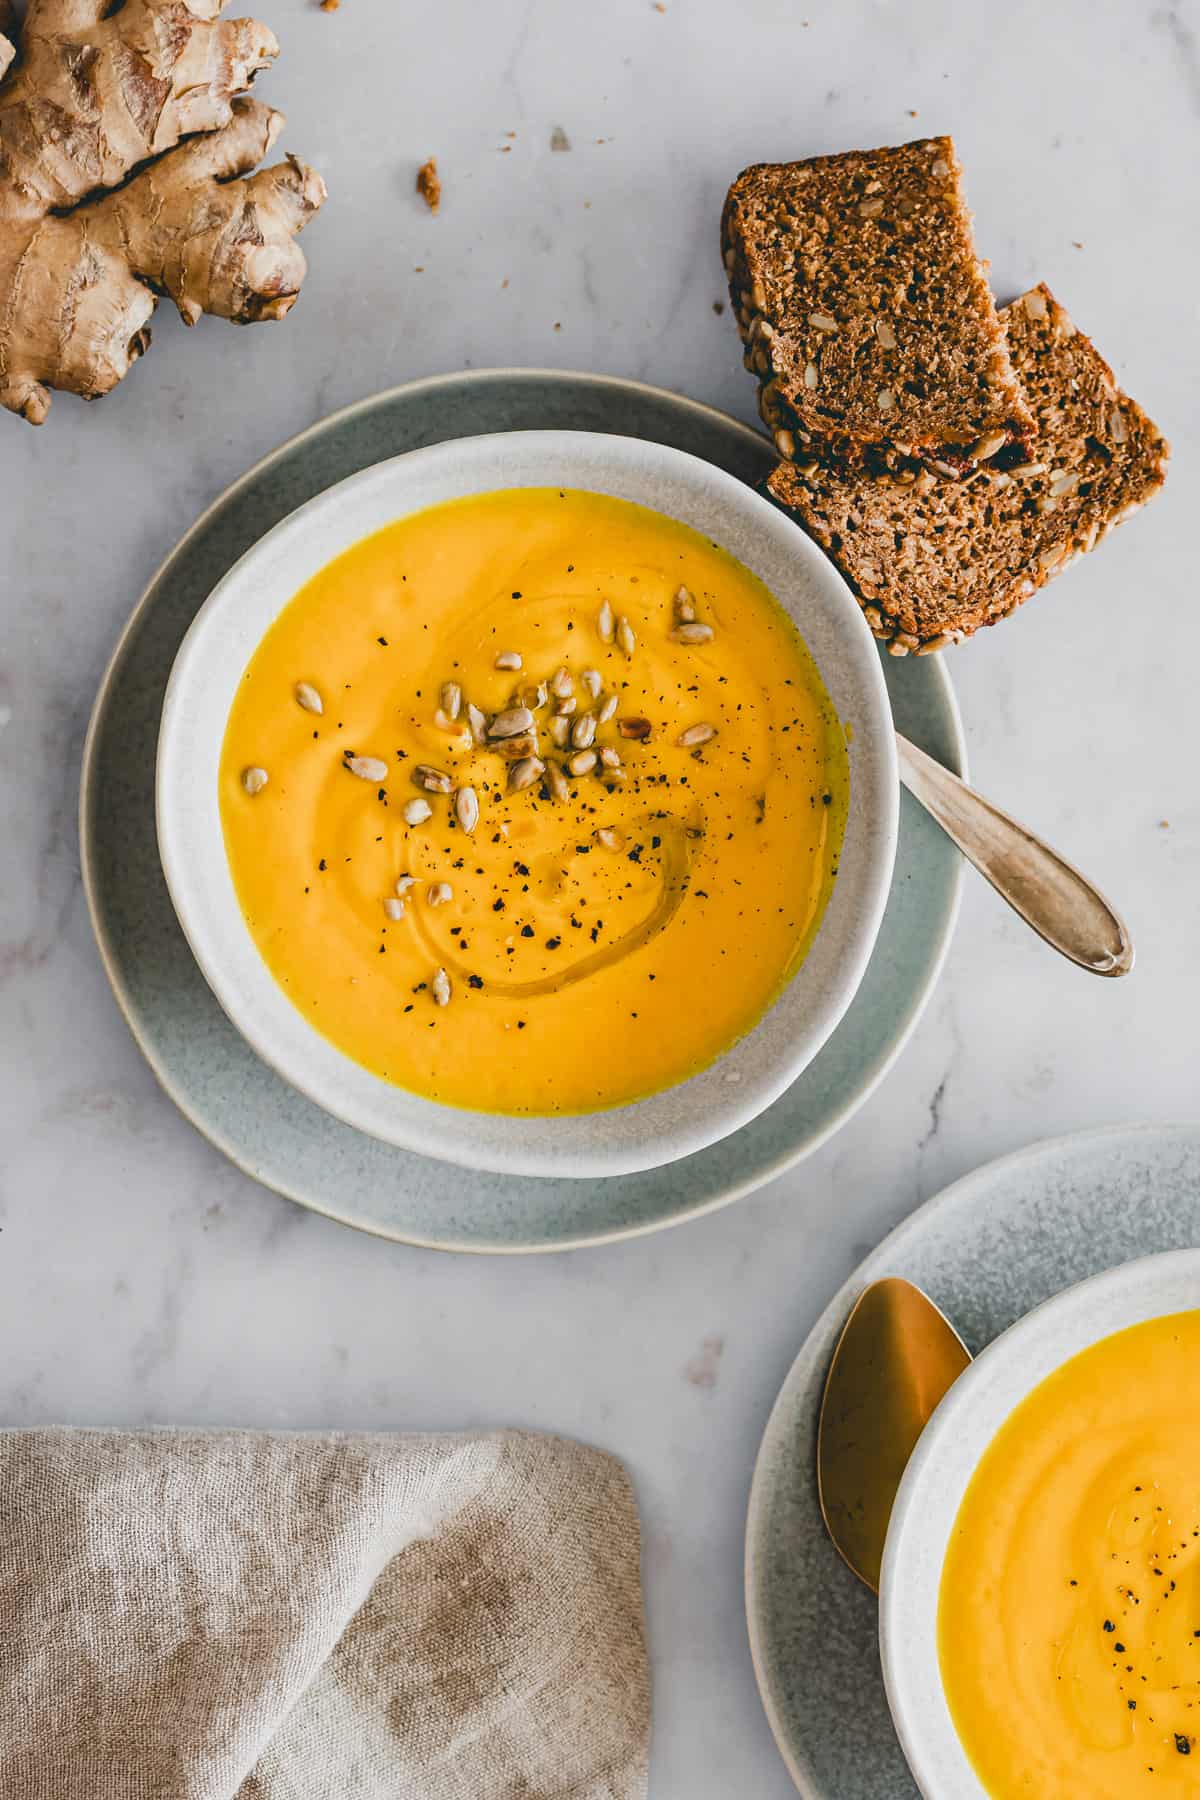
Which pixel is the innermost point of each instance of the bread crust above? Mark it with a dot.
(931, 560)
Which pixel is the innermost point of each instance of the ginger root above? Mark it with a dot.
(92, 95)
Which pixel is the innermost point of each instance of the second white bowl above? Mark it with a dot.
(940, 1471)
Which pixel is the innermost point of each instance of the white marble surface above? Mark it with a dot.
(141, 1279)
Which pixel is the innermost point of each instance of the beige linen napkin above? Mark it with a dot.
(257, 1616)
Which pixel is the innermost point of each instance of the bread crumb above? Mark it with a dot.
(1164, 824)
(559, 139)
(330, 5)
(504, 283)
(429, 184)
(558, 324)
(718, 307)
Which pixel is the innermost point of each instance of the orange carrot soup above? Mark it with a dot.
(533, 801)
(1069, 1613)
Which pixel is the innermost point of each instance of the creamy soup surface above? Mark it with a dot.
(1069, 1613)
(539, 889)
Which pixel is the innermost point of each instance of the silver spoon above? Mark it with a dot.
(1063, 908)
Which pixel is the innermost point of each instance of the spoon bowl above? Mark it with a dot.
(894, 1361)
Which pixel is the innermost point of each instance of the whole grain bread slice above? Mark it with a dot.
(932, 560)
(865, 309)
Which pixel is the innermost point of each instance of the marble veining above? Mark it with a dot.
(141, 1278)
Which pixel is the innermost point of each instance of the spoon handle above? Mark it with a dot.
(1063, 908)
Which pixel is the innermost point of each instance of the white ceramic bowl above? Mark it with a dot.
(941, 1468)
(227, 630)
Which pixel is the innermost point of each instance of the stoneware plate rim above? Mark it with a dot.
(665, 1126)
(275, 1163)
(943, 1231)
(1003, 1374)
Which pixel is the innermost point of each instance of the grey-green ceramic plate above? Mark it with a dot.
(988, 1249)
(267, 1128)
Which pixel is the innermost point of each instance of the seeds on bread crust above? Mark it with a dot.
(816, 249)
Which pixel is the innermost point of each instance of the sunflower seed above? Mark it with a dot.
(885, 336)
(885, 399)
(810, 375)
(822, 321)
(511, 723)
(785, 443)
(451, 699)
(434, 781)
(1035, 305)
(560, 730)
(444, 722)
(1030, 468)
(684, 606)
(417, 811)
(466, 808)
(608, 839)
(610, 756)
(605, 623)
(591, 681)
(561, 684)
(695, 734)
(523, 774)
(987, 446)
(870, 209)
(638, 729)
(583, 762)
(478, 724)
(583, 732)
(394, 909)
(941, 169)
(367, 768)
(513, 749)
(441, 988)
(509, 659)
(692, 634)
(1063, 483)
(566, 707)
(309, 698)
(406, 883)
(532, 695)
(607, 708)
(438, 892)
(556, 781)
(626, 638)
(254, 780)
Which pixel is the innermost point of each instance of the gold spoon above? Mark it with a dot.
(896, 1357)
(1062, 907)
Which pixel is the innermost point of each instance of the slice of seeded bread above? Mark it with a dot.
(932, 560)
(865, 309)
